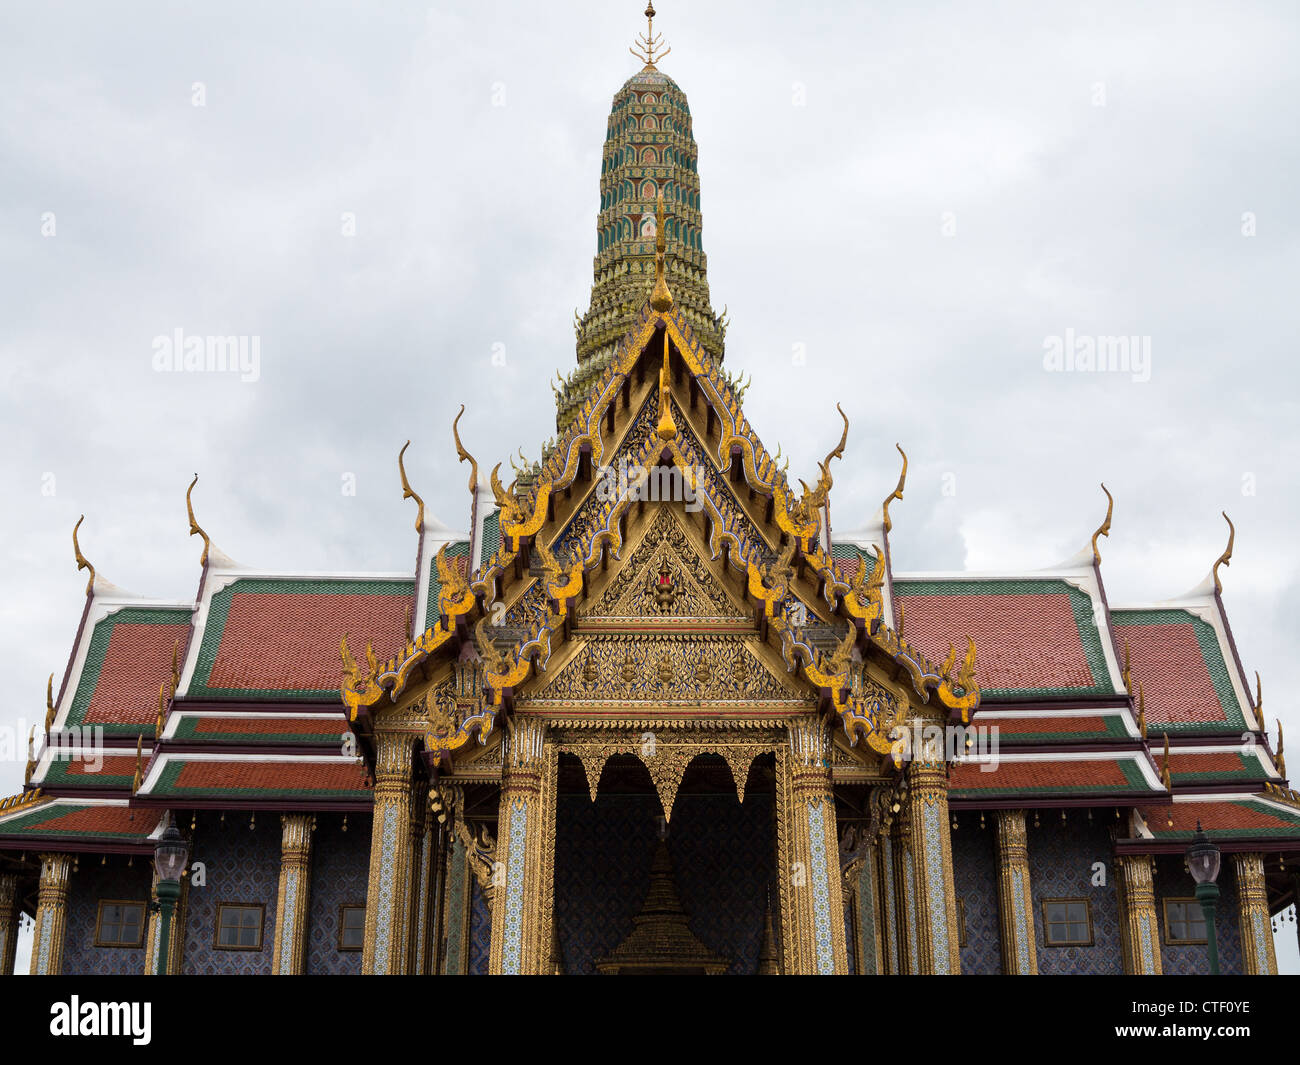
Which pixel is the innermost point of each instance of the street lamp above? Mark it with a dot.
(1203, 863)
(170, 854)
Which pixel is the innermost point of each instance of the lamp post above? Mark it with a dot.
(1203, 862)
(170, 854)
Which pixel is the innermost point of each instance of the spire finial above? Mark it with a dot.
(408, 492)
(195, 529)
(647, 44)
(1225, 559)
(1104, 529)
(464, 456)
(897, 493)
(661, 299)
(81, 559)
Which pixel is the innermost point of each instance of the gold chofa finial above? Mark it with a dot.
(465, 456)
(1224, 559)
(647, 44)
(408, 492)
(81, 559)
(195, 529)
(1104, 530)
(661, 299)
(897, 493)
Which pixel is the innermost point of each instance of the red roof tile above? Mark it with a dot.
(1023, 642)
(1169, 662)
(290, 642)
(1050, 776)
(137, 661)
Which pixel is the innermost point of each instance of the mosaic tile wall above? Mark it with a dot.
(722, 859)
(90, 883)
(1173, 881)
(242, 866)
(480, 930)
(723, 855)
(340, 868)
(975, 879)
(1061, 856)
(602, 868)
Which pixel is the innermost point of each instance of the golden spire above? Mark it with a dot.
(195, 529)
(464, 455)
(667, 429)
(408, 492)
(661, 299)
(897, 493)
(1105, 525)
(1224, 559)
(81, 559)
(647, 44)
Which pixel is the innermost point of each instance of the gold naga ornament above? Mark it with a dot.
(82, 562)
(195, 528)
(1104, 528)
(1224, 559)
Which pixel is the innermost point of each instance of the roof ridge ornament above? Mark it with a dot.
(465, 456)
(666, 429)
(897, 493)
(1104, 529)
(1224, 559)
(195, 528)
(661, 299)
(82, 562)
(647, 44)
(408, 492)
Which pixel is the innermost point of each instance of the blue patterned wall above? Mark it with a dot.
(480, 929)
(975, 879)
(723, 855)
(340, 869)
(90, 883)
(603, 852)
(1173, 881)
(1061, 856)
(243, 866)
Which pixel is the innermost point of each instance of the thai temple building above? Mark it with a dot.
(647, 708)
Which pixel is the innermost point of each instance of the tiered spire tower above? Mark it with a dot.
(649, 151)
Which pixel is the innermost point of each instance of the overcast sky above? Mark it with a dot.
(916, 196)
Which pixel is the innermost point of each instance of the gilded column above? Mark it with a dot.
(938, 951)
(1138, 929)
(813, 926)
(425, 920)
(8, 922)
(866, 915)
(387, 909)
(289, 955)
(51, 915)
(891, 955)
(1257, 956)
(1015, 902)
(521, 913)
